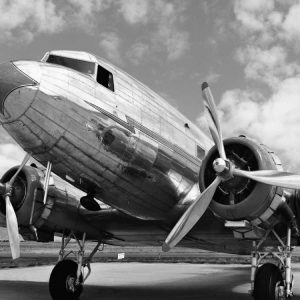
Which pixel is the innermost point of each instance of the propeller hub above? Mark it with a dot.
(219, 165)
(16, 192)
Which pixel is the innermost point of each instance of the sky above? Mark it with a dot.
(248, 51)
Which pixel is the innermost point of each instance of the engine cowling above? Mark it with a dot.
(26, 187)
(241, 198)
(61, 211)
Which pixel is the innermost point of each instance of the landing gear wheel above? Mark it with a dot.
(62, 282)
(268, 283)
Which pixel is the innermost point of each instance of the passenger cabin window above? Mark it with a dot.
(82, 66)
(105, 78)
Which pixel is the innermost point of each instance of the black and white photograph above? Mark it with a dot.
(149, 149)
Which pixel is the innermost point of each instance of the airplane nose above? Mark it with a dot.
(11, 79)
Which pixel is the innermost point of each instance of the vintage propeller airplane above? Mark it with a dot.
(95, 129)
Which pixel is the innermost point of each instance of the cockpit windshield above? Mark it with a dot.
(82, 66)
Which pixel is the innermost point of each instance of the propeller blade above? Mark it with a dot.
(272, 177)
(11, 218)
(191, 216)
(213, 119)
(25, 160)
(12, 228)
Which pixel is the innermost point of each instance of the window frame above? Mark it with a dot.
(93, 75)
(109, 73)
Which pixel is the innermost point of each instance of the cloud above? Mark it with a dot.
(268, 21)
(46, 17)
(269, 66)
(291, 24)
(270, 116)
(13, 155)
(90, 7)
(251, 14)
(134, 11)
(266, 28)
(274, 121)
(176, 43)
(138, 53)
(110, 42)
(212, 77)
(85, 14)
(168, 17)
(164, 24)
(5, 138)
(159, 22)
(22, 20)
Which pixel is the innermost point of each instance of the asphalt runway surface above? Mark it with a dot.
(140, 281)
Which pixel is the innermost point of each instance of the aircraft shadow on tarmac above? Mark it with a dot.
(188, 288)
(39, 291)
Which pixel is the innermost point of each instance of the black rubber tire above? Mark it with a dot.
(58, 278)
(266, 279)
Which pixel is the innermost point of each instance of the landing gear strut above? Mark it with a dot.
(67, 278)
(272, 281)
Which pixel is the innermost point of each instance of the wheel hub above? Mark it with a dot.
(279, 291)
(70, 283)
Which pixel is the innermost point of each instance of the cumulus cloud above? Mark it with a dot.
(176, 43)
(271, 116)
(162, 22)
(10, 153)
(137, 53)
(268, 21)
(110, 42)
(85, 14)
(269, 66)
(13, 155)
(251, 13)
(274, 121)
(169, 35)
(22, 20)
(90, 7)
(291, 24)
(268, 29)
(166, 19)
(212, 77)
(135, 11)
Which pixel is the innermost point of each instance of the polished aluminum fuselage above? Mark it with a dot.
(130, 148)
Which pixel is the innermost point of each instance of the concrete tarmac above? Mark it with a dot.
(141, 281)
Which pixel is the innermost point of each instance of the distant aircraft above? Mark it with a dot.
(92, 128)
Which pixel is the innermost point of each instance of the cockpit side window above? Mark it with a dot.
(82, 66)
(105, 78)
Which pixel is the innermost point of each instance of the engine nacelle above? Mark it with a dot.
(61, 210)
(240, 198)
(26, 187)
